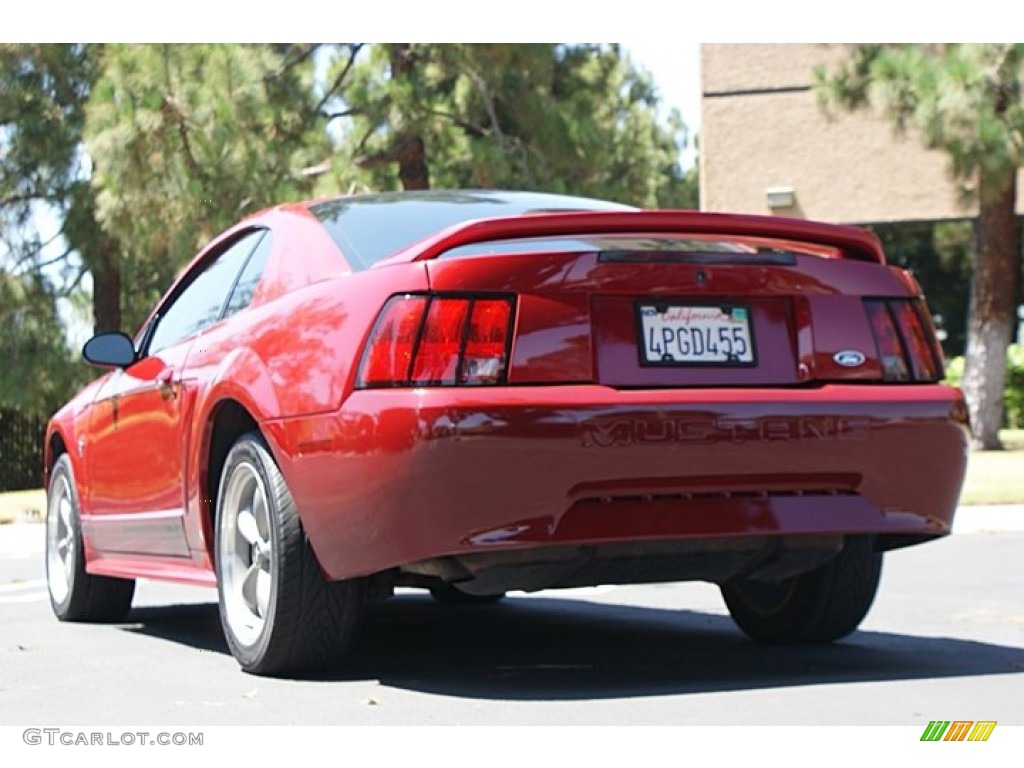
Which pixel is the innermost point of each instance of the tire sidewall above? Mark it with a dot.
(823, 605)
(249, 448)
(62, 469)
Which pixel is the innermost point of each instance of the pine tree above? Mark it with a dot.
(965, 100)
(143, 152)
(188, 139)
(43, 185)
(577, 119)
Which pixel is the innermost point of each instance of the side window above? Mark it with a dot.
(202, 300)
(245, 288)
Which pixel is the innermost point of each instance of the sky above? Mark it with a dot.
(658, 37)
(675, 67)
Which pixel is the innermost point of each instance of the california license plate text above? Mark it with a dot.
(710, 335)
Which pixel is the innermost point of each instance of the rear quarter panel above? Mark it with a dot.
(292, 356)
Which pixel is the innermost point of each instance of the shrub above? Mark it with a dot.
(1013, 395)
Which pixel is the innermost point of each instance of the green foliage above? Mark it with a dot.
(42, 92)
(1013, 394)
(43, 89)
(141, 153)
(577, 119)
(962, 98)
(38, 369)
(187, 139)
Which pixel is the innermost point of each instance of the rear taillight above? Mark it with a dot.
(389, 355)
(919, 337)
(907, 347)
(438, 341)
(483, 357)
(441, 340)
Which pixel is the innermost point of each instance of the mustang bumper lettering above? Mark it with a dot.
(401, 475)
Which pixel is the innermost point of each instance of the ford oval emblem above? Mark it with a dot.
(849, 358)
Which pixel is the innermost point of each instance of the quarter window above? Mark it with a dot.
(245, 288)
(200, 303)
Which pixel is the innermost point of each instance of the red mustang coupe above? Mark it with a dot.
(476, 392)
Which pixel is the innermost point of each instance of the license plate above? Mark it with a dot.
(705, 335)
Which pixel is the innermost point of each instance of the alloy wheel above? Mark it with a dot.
(61, 549)
(246, 553)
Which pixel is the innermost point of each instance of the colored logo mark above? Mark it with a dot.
(849, 358)
(958, 730)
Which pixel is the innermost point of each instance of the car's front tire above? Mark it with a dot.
(74, 594)
(816, 607)
(278, 612)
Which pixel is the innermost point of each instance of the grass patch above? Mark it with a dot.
(1012, 439)
(995, 477)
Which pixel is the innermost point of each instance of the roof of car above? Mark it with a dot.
(534, 201)
(380, 225)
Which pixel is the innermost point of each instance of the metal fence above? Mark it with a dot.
(21, 450)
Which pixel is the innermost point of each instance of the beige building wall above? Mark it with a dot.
(762, 129)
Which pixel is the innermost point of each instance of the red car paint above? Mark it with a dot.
(581, 445)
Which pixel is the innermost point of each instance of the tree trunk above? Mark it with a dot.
(106, 289)
(408, 147)
(99, 252)
(990, 317)
(412, 163)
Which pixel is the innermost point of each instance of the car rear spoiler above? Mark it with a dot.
(851, 242)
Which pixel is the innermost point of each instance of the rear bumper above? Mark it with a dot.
(400, 476)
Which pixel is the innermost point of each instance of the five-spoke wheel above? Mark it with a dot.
(76, 595)
(279, 613)
(60, 539)
(246, 552)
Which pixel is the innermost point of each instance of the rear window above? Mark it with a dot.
(370, 228)
(591, 243)
(659, 247)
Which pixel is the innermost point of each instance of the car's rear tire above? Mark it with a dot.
(280, 616)
(74, 594)
(446, 594)
(816, 607)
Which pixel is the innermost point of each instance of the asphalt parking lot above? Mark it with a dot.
(945, 640)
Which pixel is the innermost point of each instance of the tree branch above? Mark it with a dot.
(298, 59)
(41, 265)
(344, 113)
(173, 109)
(56, 259)
(39, 247)
(468, 127)
(380, 159)
(67, 290)
(27, 197)
(366, 137)
(481, 88)
(353, 52)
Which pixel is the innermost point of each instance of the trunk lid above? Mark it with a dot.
(664, 306)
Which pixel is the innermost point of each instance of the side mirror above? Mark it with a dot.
(112, 349)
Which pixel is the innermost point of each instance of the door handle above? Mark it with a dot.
(166, 385)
